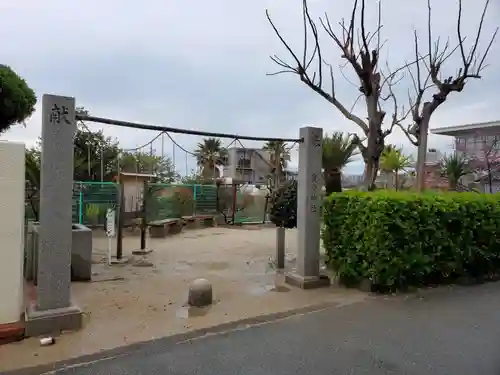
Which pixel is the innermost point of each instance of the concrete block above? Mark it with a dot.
(52, 321)
(311, 282)
(81, 252)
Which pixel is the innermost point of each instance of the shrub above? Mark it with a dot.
(397, 239)
(17, 99)
(283, 205)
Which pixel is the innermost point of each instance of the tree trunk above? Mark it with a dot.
(370, 174)
(375, 142)
(396, 180)
(333, 181)
(422, 148)
(490, 177)
(452, 184)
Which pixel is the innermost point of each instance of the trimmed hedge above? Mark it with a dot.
(398, 239)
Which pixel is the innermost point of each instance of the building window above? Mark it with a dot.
(244, 163)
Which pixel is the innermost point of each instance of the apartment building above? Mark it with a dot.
(475, 141)
(251, 165)
(471, 139)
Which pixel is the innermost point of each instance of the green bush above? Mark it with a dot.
(398, 239)
(283, 205)
(17, 99)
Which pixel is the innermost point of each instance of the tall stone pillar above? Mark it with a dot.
(307, 275)
(53, 310)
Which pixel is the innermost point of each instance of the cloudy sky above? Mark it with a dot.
(203, 64)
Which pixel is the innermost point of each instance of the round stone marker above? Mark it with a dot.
(200, 293)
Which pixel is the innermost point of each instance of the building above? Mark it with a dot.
(470, 139)
(291, 175)
(478, 141)
(251, 165)
(133, 188)
(351, 181)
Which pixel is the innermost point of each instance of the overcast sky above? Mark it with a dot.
(203, 64)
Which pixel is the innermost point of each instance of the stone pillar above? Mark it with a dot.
(53, 310)
(307, 275)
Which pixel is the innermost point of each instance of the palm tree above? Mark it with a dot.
(210, 154)
(278, 148)
(393, 160)
(338, 151)
(454, 167)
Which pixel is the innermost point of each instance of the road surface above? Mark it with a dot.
(453, 331)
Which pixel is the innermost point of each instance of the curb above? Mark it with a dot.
(11, 332)
(179, 338)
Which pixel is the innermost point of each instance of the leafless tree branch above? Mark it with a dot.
(313, 78)
(472, 64)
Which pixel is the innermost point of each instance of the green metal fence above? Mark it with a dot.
(91, 200)
(163, 201)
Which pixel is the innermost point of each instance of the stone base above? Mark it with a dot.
(310, 282)
(142, 252)
(52, 321)
(122, 261)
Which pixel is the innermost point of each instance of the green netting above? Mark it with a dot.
(91, 201)
(163, 201)
(169, 201)
(252, 208)
(205, 197)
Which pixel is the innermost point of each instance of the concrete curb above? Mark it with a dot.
(149, 346)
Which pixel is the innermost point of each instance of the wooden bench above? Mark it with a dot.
(164, 228)
(207, 221)
(190, 222)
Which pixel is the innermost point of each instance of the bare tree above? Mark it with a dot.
(361, 50)
(426, 74)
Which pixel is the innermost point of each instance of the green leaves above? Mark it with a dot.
(397, 239)
(394, 160)
(209, 155)
(338, 150)
(17, 99)
(283, 205)
(454, 167)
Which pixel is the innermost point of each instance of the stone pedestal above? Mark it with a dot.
(43, 322)
(53, 310)
(81, 252)
(307, 274)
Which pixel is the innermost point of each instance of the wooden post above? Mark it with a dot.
(121, 200)
(144, 222)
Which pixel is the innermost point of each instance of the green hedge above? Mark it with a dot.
(398, 239)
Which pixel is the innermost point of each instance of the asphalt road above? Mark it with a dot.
(451, 331)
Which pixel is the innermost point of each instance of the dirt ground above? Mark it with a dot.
(146, 298)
